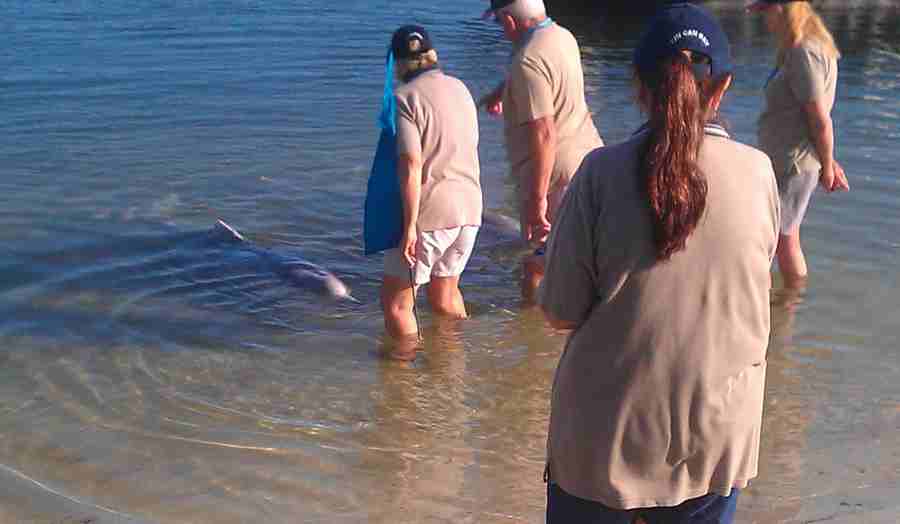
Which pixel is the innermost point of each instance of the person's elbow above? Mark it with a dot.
(543, 133)
(408, 165)
(817, 116)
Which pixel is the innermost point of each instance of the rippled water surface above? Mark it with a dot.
(152, 372)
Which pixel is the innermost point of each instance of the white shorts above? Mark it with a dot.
(796, 190)
(441, 253)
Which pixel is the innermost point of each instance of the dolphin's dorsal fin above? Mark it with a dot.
(231, 230)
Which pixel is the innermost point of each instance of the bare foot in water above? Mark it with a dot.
(402, 349)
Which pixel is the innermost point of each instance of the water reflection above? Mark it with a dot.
(787, 418)
(867, 25)
(460, 434)
(415, 456)
(237, 401)
(513, 416)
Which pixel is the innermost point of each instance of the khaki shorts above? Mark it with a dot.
(441, 253)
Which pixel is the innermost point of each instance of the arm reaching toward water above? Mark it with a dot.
(493, 101)
(821, 129)
(542, 138)
(409, 173)
(806, 70)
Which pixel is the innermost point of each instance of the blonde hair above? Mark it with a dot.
(801, 23)
(411, 65)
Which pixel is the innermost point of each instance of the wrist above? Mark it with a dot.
(536, 198)
(538, 185)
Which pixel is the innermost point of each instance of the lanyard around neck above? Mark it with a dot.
(547, 22)
(544, 24)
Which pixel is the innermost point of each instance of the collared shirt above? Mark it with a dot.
(546, 79)
(710, 129)
(658, 396)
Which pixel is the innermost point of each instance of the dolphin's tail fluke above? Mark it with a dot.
(222, 225)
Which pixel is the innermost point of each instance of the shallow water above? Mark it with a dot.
(148, 375)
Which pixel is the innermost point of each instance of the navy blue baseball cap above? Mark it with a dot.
(410, 41)
(683, 27)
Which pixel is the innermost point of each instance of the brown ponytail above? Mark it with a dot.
(675, 187)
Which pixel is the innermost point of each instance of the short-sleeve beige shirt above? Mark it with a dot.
(658, 396)
(807, 74)
(437, 121)
(546, 79)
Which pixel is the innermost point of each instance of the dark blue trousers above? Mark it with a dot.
(563, 508)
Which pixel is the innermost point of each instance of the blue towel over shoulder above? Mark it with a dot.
(383, 221)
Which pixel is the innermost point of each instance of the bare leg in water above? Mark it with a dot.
(532, 274)
(399, 319)
(445, 297)
(791, 261)
(397, 298)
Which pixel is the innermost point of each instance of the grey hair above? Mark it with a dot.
(523, 10)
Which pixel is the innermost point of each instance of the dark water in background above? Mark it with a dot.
(144, 376)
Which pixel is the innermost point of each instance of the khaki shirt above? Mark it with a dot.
(437, 121)
(546, 79)
(658, 396)
(807, 74)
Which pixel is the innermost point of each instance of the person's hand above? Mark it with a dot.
(832, 177)
(535, 226)
(840, 178)
(408, 246)
(493, 103)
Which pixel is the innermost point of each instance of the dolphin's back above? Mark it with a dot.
(295, 270)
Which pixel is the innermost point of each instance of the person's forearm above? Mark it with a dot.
(498, 91)
(543, 147)
(495, 95)
(823, 138)
(409, 173)
(821, 130)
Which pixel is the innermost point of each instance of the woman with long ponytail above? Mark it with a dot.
(676, 189)
(659, 265)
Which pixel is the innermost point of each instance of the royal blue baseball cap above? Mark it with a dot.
(683, 27)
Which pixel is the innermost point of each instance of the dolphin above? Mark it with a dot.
(294, 270)
(502, 225)
(500, 232)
